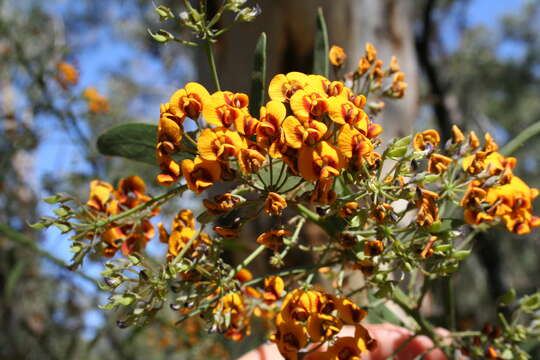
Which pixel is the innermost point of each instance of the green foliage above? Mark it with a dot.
(258, 77)
(135, 141)
(321, 64)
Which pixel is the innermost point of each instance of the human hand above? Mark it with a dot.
(389, 338)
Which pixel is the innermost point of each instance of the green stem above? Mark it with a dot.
(212, 63)
(519, 140)
(21, 239)
(247, 261)
(177, 191)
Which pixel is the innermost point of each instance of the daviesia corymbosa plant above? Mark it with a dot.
(302, 149)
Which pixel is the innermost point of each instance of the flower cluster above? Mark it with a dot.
(495, 192)
(313, 317)
(105, 201)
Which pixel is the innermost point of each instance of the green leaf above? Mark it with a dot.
(258, 77)
(507, 298)
(321, 64)
(135, 141)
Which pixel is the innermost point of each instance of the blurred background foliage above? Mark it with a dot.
(471, 62)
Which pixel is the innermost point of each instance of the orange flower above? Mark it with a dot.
(298, 134)
(169, 133)
(322, 327)
(474, 142)
(490, 145)
(373, 247)
(457, 135)
(352, 348)
(428, 211)
(97, 103)
(425, 139)
(348, 209)
(273, 289)
(320, 162)
(170, 169)
(222, 204)
(189, 101)
(342, 112)
(219, 144)
(200, 174)
(337, 55)
(394, 66)
(282, 87)
(309, 104)
(290, 337)
(244, 275)
(438, 163)
(250, 161)
(398, 85)
(67, 75)
(371, 52)
(273, 239)
(131, 191)
(363, 65)
(352, 143)
(349, 312)
(274, 204)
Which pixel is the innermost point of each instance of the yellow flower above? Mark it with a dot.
(269, 129)
(337, 55)
(438, 163)
(273, 289)
(222, 204)
(274, 204)
(320, 162)
(244, 275)
(352, 143)
(309, 104)
(494, 162)
(342, 112)
(169, 131)
(100, 193)
(67, 74)
(425, 139)
(247, 125)
(298, 134)
(300, 304)
(219, 144)
(200, 174)
(282, 87)
(189, 101)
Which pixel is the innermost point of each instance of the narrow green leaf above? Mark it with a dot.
(258, 77)
(321, 64)
(135, 141)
